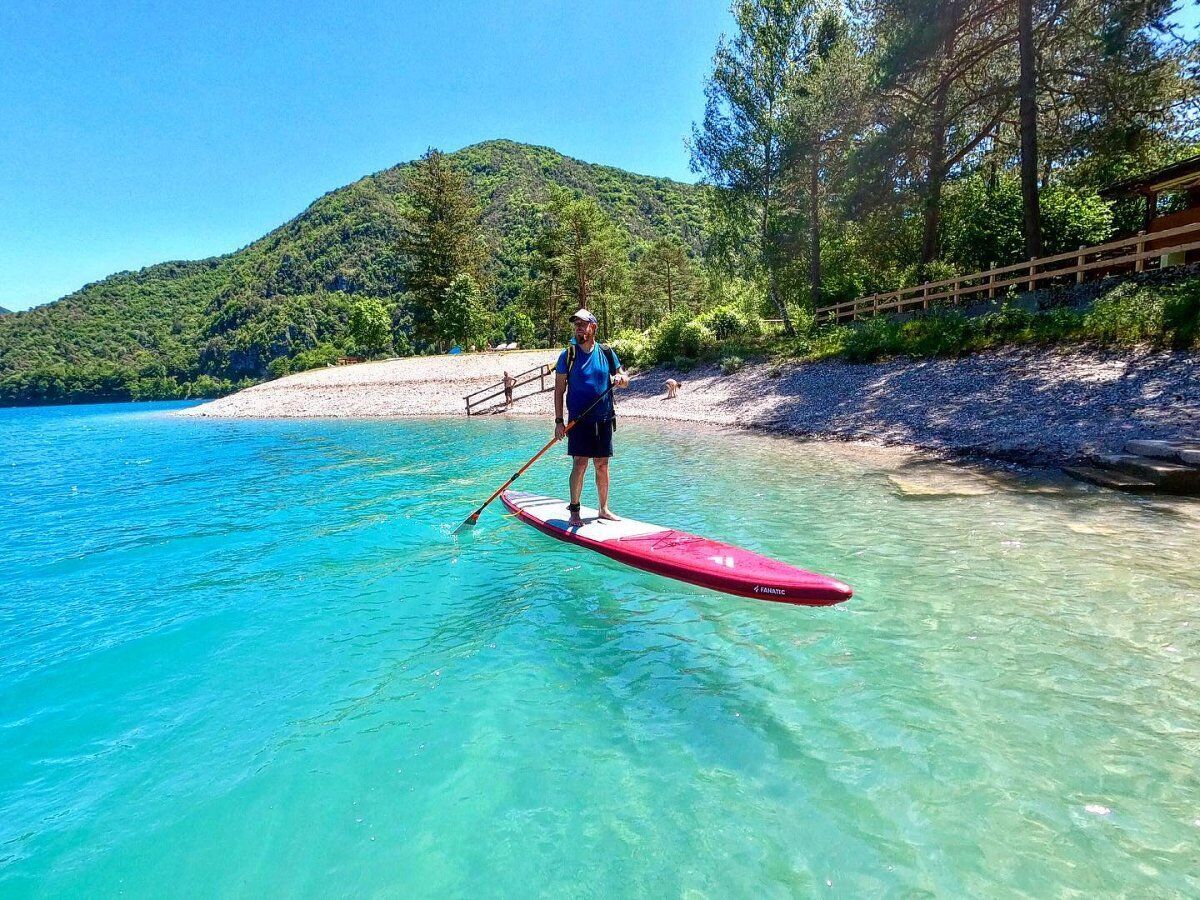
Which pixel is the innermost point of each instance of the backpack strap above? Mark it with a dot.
(611, 357)
(612, 370)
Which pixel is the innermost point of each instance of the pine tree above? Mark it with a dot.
(664, 280)
(826, 115)
(587, 252)
(947, 81)
(739, 146)
(442, 239)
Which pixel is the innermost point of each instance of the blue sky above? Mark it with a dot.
(138, 132)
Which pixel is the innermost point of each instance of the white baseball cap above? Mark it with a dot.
(586, 316)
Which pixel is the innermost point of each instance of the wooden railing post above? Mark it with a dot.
(925, 296)
(992, 281)
(1079, 261)
(954, 291)
(1140, 264)
(874, 304)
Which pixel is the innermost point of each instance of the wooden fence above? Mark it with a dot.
(538, 374)
(1126, 255)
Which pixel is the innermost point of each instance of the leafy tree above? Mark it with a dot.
(545, 293)
(1117, 91)
(984, 222)
(463, 317)
(664, 279)
(370, 327)
(517, 326)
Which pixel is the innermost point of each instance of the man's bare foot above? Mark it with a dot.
(609, 515)
(574, 520)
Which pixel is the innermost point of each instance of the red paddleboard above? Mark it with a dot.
(679, 555)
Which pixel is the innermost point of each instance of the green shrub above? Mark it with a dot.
(1181, 314)
(633, 348)
(724, 322)
(279, 367)
(666, 338)
(318, 357)
(695, 340)
(683, 363)
(1127, 315)
(731, 364)
(1071, 218)
(872, 340)
(942, 334)
(821, 343)
(804, 320)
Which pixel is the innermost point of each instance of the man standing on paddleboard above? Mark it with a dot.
(584, 372)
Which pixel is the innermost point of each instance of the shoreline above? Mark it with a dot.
(1031, 406)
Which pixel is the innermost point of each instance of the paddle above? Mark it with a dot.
(469, 521)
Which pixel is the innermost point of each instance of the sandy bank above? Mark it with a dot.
(1033, 406)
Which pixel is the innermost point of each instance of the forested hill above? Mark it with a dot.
(200, 328)
(3, 310)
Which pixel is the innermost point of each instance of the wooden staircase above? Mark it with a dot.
(484, 396)
(1146, 467)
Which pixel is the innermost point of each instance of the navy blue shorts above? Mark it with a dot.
(591, 439)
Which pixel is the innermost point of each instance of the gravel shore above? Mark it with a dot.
(1040, 407)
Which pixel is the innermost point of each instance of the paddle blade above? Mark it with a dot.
(468, 523)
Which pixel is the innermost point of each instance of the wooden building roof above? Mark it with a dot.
(1177, 176)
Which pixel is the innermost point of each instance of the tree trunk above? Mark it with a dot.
(814, 248)
(765, 237)
(930, 240)
(669, 297)
(1027, 89)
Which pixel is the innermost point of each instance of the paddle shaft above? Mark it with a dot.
(474, 517)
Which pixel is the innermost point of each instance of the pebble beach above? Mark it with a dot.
(1031, 406)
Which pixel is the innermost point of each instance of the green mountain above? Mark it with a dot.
(201, 328)
(3, 311)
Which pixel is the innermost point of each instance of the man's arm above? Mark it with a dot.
(560, 390)
(621, 379)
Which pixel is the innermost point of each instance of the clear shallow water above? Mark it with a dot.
(248, 659)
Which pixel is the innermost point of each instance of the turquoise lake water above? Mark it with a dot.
(249, 659)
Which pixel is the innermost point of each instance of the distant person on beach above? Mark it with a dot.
(509, 384)
(584, 373)
(672, 388)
